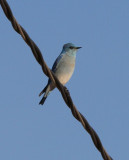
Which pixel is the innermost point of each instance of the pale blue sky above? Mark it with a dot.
(99, 86)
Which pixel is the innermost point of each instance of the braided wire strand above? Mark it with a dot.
(64, 91)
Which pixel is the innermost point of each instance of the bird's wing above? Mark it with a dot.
(54, 67)
(56, 63)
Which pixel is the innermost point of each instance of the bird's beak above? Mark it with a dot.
(78, 47)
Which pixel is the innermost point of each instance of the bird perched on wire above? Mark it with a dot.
(63, 68)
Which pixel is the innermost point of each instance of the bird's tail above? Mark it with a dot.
(47, 91)
(42, 100)
(44, 90)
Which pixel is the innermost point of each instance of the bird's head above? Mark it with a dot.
(70, 49)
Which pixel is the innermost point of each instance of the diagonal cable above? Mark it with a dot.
(64, 91)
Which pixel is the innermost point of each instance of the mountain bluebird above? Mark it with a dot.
(63, 68)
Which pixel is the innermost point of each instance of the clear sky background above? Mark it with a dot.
(99, 86)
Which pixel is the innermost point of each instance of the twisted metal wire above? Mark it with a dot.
(64, 91)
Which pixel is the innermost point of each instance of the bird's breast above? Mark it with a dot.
(65, 69)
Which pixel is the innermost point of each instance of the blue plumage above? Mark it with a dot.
(57, 61)
(63, 68)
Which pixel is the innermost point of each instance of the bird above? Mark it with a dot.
(63, 68)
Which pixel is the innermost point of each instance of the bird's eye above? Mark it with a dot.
(71, 47)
